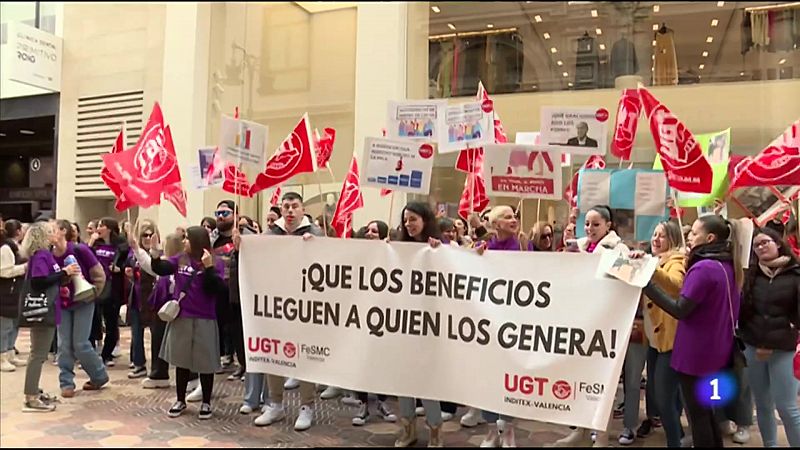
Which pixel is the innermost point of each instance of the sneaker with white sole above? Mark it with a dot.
(386, 412)
(330, 393)
(291, 384)
(116, 352)
(492, 438)
(177, 409)
(131, 366)
(579, 437)
(246, 409)
(742, 435)
(447, 416)
(420, 411)
(351, 399)
(34, 403)
(137, 372)
(272, 414)
(687, 441)
(362, 416)
(472, 418)
(205, 412)
(149, 383)
(627, 437)
(196, 395)
(505, 430)
(304, 419)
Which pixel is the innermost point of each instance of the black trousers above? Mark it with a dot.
(159, 369)
(237, 334)
(110, 313)
(364, 397)
(705, 427)
(223, 324)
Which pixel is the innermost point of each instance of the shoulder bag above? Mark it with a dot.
(172, 308)
(738, 360)
(37, 307)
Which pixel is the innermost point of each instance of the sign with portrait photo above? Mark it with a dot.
(579, 131)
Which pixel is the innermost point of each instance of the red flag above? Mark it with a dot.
(385, 192)
(625, 127)
(122, 203)
(294, 156)
(216, 167)
(177, 196)
(474, 198)
(323, 146)
(276, 197)
(571, 193)
(499, 132)
(350, 199)
(467, 158)
(173, 192)
(150, 167)
(787, 216)
(685, 166)
(235, 181)
(777, 165)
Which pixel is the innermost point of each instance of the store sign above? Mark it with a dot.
(27, 194)
(33, 57)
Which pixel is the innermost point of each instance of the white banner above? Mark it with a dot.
(397, 164)
(533, 335)
(243, 141)
(524, 171)
(34, 57)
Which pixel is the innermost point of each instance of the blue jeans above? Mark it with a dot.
(666, 393)
(433, 410)
(8, 333)
(635, 359)
(256, 390)
(73, 343)
(137, 338)
(774, 387)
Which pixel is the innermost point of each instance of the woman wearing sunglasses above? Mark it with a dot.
(142, 278)
(541, 238)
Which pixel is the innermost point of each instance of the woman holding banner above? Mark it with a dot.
(707, 310)
(600, 237)
(663, 385)
(419, 225)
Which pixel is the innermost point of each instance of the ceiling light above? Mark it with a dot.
(594, 13)
(655, 27)
(705, 54)
(720, 4)
(451, 26)
(28, 132)
(714, 22)
(598, 31)
(537, 18)
(782, 61)
(436, 9)
(654, 42)
(2, 135)
(489, 25)
(602, 46)
(566, 74)
(560, 62)
(710, 39)
(653, 57)
(553, 50)
(546, 35)
(741, 74)
(569, 84)
(702, 66)
(656, 8)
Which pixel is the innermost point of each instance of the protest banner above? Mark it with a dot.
(205, 158)
(243, 141)
(535, 138)
(637, 197)
(524, 171)
(468, 125)
(580, 131)
(421, 120)
(398, 164)
(439, 321)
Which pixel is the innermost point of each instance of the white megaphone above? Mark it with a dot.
(82, 290)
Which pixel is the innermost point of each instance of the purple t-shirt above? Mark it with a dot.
(86, 260)
(511, 243)
(43, 264)
(105, 255)
(197, 303)
(704, 340)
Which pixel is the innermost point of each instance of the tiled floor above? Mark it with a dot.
(125, 415)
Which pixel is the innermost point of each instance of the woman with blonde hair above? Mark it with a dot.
(142, 280)
(541, 237)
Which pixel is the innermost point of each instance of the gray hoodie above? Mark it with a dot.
(279, 228)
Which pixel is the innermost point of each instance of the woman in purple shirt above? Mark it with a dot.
(707, 311)
(191, 343)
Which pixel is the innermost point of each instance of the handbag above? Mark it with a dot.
(738, 360)
(172, 308)
(37, 306)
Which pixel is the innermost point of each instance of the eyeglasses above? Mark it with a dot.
(547, 236)
(763, 243)
(223, 213)
(147, 235)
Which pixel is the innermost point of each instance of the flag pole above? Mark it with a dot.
(322, 202)
(239, 167)
(538, 209)
(391, 211)
(678, 215)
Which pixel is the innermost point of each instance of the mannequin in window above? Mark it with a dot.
(665, 65)
(623, 58)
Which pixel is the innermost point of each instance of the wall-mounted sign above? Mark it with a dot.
(33, 57)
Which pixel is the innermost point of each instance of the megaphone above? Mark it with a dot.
(82, 290)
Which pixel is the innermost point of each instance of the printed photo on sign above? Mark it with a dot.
(205, 156)
(243, 141)
(399, 165)
(468, 125)
(535, 138)
(416, 119)
(580, 131)
(526, 171)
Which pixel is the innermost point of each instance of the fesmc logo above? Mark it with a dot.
(541, 387)
(281, 353)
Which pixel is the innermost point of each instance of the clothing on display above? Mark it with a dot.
(665, 64)
(623, 58)
(587, 63)
(776, 30)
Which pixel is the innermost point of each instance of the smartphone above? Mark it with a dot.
(572, 245)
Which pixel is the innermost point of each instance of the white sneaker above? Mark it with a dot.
(492, 438)
(386, 412)
(116, 352)
(271, 415)
(687, 441)
(291, 383)
(578, 437)
(600, 439)
(196, 395)
(245, 409)
(742, 435)
(12, 358)
(446, 416)
(5, 364)
(362, 416)
(472, 418)
(505, 431)
(194, 384)
(627, 437)
(330, 392)
(420, 411)
(304, 419)
(351, 400)
(149, 383)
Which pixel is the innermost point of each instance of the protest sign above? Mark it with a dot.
(416, 119)
(636, 272)
(580, 131)
(468, 125)
(205, 159)
(525, 171)
(535, 138)
(438, 320)
(397, 164)
(637, 198)
(243, 141)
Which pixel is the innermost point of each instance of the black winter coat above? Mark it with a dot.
(770, 313)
